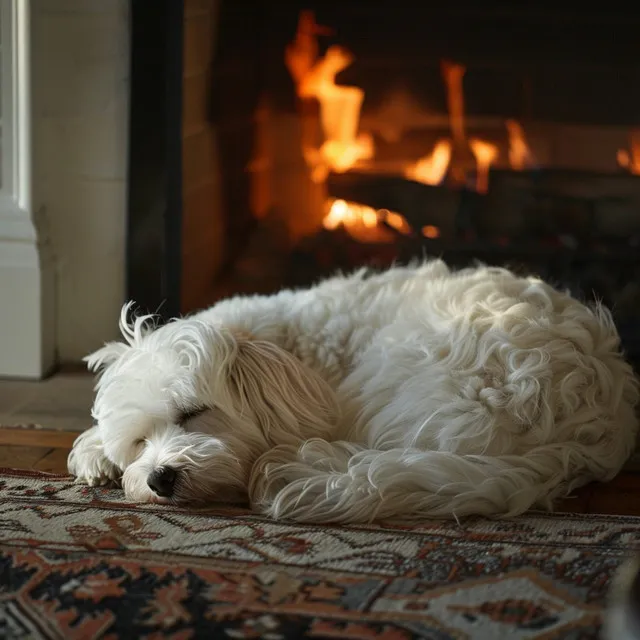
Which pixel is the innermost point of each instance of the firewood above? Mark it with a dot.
(420, 204)
(545, 202)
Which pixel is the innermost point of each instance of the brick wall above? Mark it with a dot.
(80, 98)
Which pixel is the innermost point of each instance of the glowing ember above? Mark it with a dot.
(520, 156)
(338, 214)
(429, 231)
(362, 222)
(485, 154)
(623, 158)
(432, 168)
(395, 221)
(349, 214)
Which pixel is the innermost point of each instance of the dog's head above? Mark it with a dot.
(184, 409)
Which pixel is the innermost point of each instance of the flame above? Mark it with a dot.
(461, 157)
(340, 156)
(340, 106)
(432, 168)
(485, 154)
(301, 55)
(520, 156)
(453, 74)
(631, 160)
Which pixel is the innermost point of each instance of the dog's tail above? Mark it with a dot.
(341, 482)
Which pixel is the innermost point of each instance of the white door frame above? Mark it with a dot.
(27, 284)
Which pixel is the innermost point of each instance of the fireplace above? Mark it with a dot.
(274, 143)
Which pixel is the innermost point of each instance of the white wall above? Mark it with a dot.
(80, 101)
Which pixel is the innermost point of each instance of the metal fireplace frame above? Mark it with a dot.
(155, 159)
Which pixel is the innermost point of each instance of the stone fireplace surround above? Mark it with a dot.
(62, 231)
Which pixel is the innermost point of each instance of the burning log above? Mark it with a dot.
(556, 202)
(449, 210)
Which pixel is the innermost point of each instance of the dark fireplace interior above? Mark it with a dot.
(274, 143)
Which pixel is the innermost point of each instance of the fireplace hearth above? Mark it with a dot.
(324, 136)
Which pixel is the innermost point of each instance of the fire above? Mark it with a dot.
(432, 168)
(340, 106)
(344, 147)
(453, 75)
(301, 55)
(520, 156)
(485, 154)
(631, 160)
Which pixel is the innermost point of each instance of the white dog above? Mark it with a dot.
(414, 393)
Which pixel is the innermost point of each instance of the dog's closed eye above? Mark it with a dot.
(185, 416)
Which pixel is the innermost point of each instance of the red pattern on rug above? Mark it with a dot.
(79, 562)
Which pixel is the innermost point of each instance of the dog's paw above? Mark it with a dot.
(88, 463)
(98, 477)
(270, 476)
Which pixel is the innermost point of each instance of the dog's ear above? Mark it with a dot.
(289, 399)
(133, 330)
(105, 356)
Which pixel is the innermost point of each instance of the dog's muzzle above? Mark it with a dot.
(162, 481)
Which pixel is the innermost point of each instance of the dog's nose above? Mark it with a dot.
(162, 481)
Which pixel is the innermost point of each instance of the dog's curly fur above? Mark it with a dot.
(417, 392)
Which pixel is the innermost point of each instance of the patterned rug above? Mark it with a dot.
(78, 562)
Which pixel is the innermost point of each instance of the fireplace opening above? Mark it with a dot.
(318, 136)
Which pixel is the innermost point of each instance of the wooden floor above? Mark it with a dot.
(47, 450)
(36, 449)
(62, 401)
